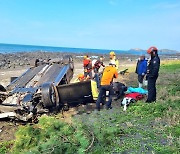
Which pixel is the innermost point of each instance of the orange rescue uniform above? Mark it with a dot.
(109, 73)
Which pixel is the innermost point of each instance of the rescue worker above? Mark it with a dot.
(141, 69)
(87, 64)
(112, 57)
(109, 73)
(96, 68)
(152, 73)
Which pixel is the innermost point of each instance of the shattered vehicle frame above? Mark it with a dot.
(46, 88)
(35, 91)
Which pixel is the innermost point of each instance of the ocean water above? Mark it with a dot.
(12, 48)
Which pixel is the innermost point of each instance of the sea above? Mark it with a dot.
(13, 48)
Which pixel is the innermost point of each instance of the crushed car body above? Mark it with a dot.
(45, 88)
(35, 91)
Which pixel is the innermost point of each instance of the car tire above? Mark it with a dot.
(49, 96)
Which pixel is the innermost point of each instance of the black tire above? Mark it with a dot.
(50, 96)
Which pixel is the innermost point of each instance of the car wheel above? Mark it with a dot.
(50, 96)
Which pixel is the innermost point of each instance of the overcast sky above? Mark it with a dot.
(103, 24)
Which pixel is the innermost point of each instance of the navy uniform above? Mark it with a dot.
(152, 75)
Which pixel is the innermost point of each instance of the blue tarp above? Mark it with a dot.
(137, 90)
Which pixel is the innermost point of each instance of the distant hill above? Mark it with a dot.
(169, 51)
(137, 49)
(161, 51)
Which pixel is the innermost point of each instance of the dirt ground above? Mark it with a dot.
(8, 128)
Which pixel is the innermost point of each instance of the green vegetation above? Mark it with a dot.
(5, 146)
(143, 128)
(50, 136)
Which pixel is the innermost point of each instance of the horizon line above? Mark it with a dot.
(83, 48)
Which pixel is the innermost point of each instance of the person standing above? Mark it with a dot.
(113, 59)
(96, 68)
(152, 73)
(109, 73)
(141, 70)
(87, 64)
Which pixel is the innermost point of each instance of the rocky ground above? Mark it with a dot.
(21, 59)
(12, 65)
(15, 60)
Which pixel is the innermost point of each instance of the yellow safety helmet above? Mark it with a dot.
(112, 53)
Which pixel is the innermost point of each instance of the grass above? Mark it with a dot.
(5, 146)
(143, 128)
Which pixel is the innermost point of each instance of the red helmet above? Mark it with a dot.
(151, 49)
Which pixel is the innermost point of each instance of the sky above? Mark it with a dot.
(99, 24)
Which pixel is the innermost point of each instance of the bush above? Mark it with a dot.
(50, 135)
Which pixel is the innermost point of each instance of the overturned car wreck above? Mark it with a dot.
(45, 88)
(36, 90)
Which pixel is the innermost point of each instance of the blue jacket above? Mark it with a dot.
(141, 67)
